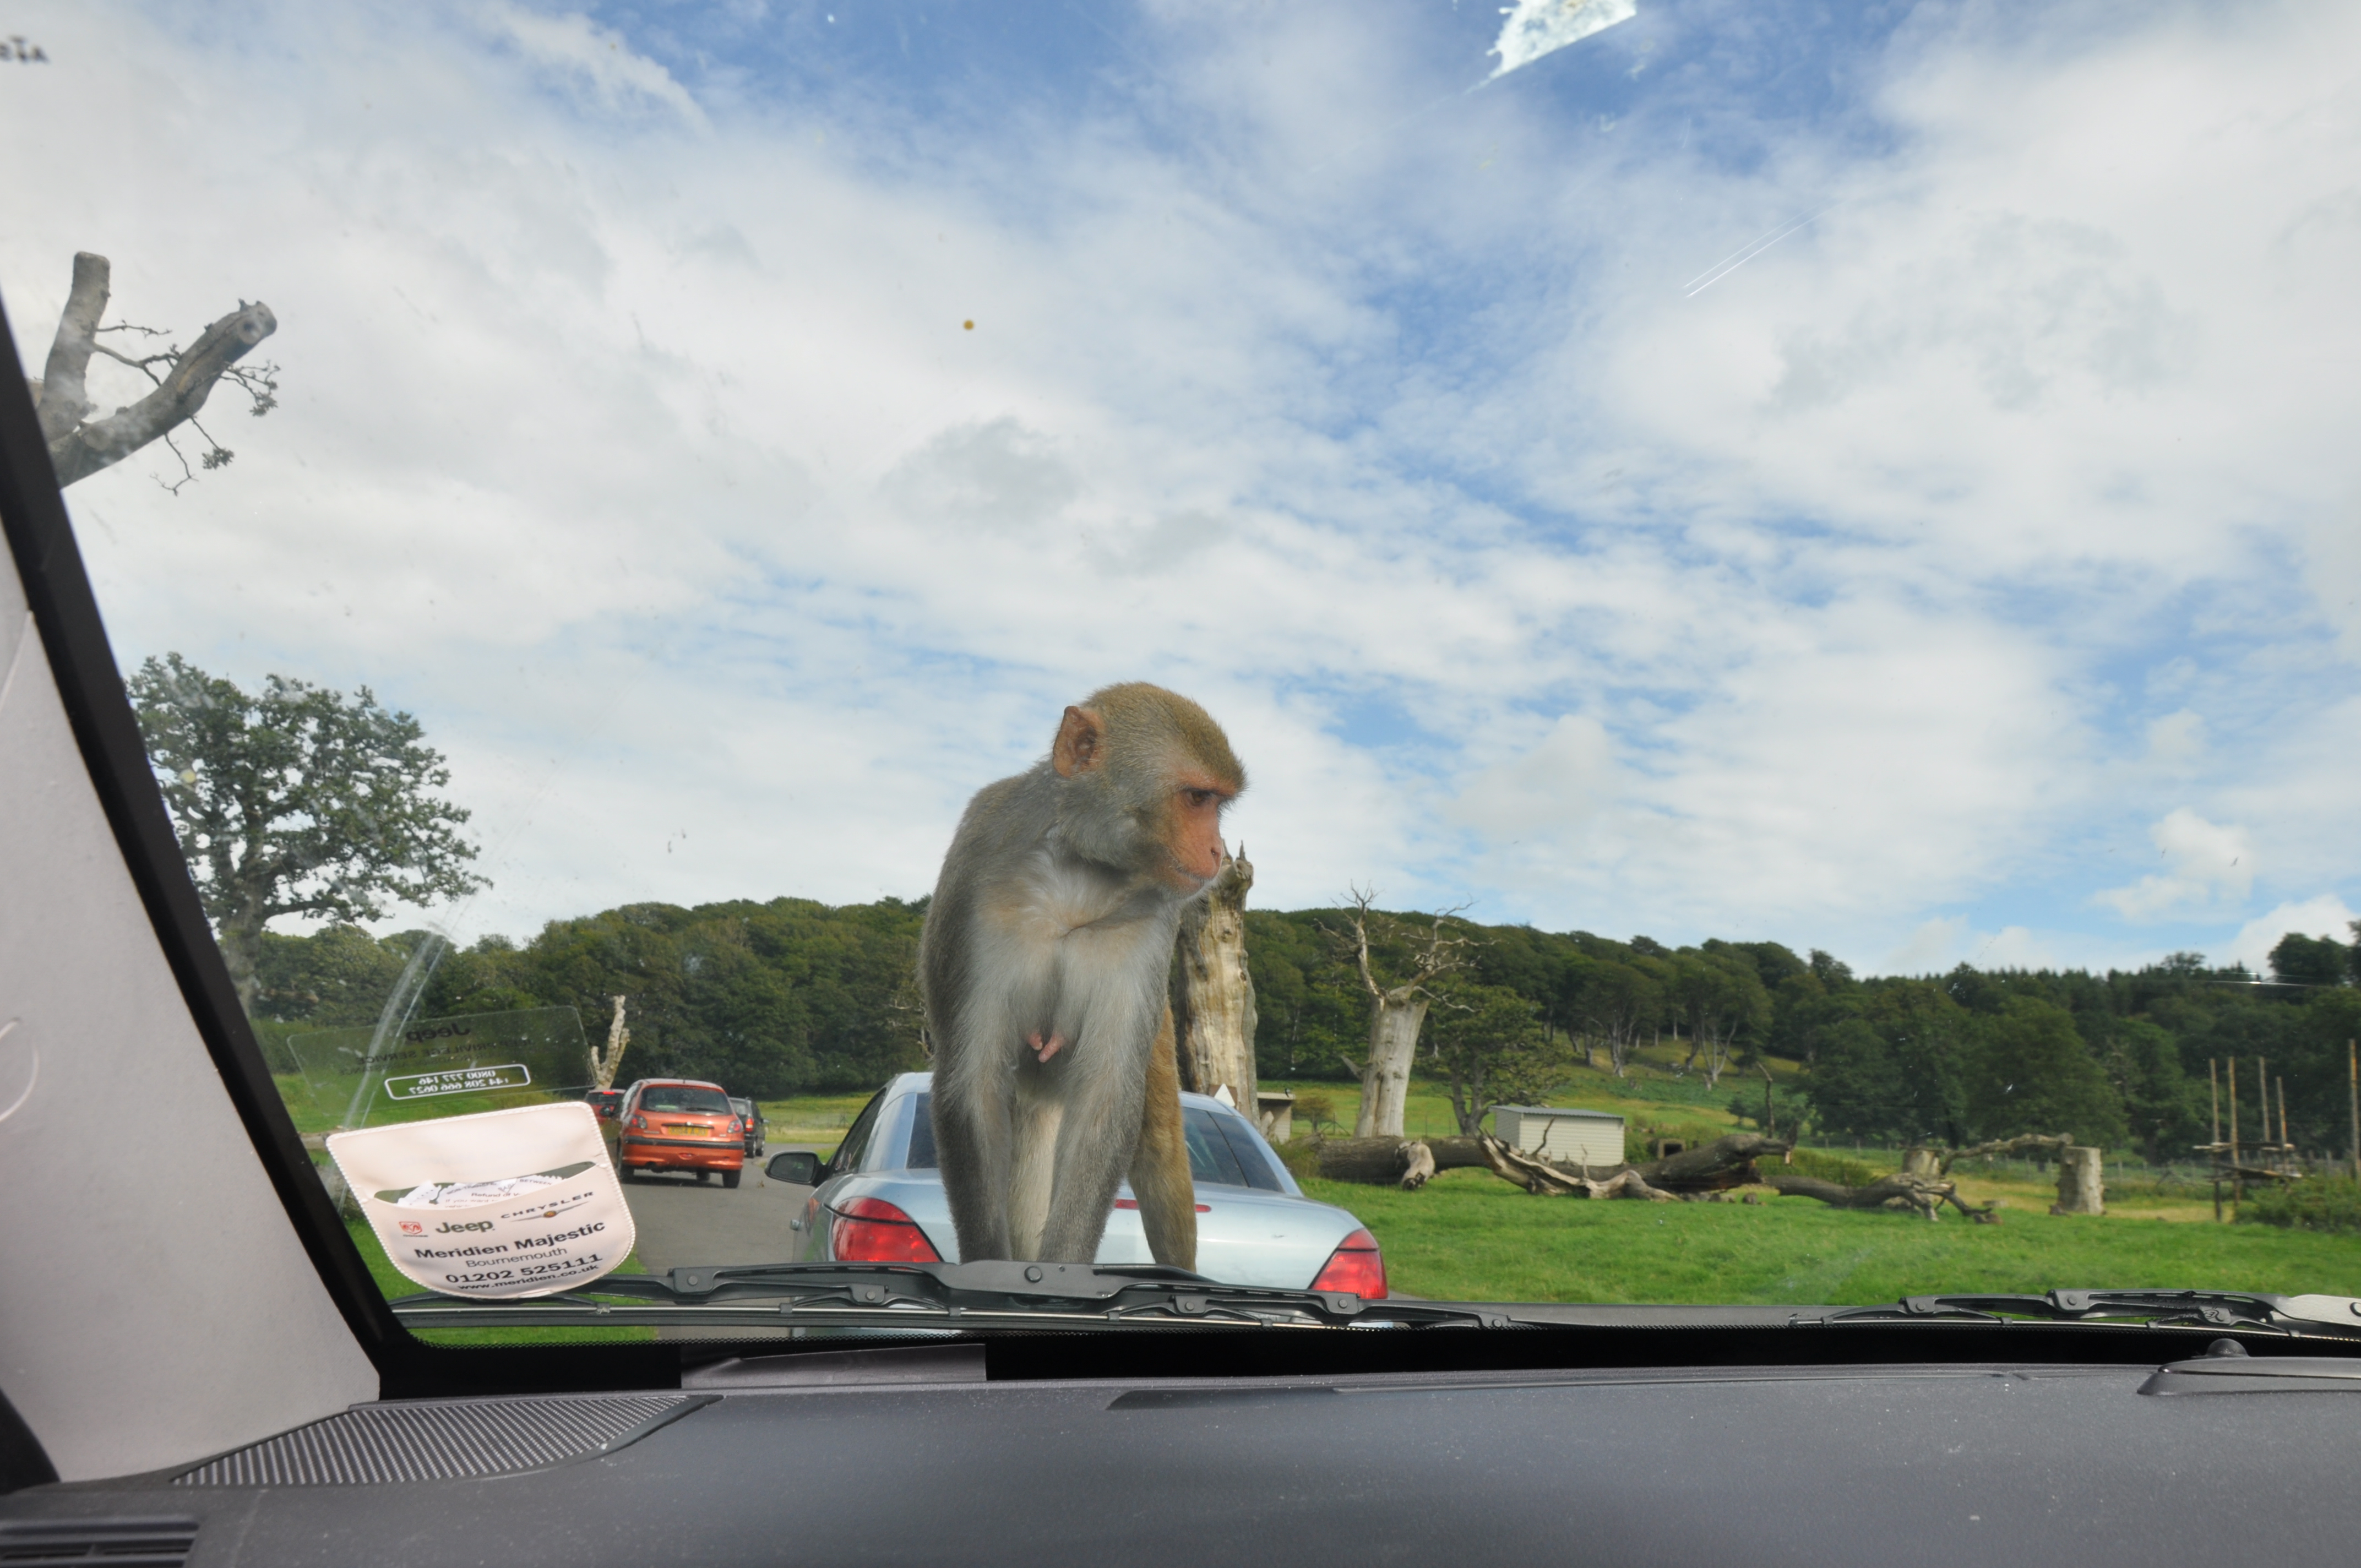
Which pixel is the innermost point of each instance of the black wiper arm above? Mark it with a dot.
(2336, 1315)
(938, 1296)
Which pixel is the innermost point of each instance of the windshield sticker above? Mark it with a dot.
(459, 1080)
(498, 1204)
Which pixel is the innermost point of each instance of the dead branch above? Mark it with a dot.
(80, 447)
(1901, 1191)
(1539, 1176)
(1937, 1161)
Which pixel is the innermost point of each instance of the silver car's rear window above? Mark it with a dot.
(1219, 1153)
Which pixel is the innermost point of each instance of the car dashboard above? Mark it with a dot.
(922, 1455)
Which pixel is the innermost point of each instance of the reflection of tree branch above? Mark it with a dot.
(80, 445)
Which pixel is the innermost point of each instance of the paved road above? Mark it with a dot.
(684, 1222)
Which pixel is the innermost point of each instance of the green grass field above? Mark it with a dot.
(1469, 1235)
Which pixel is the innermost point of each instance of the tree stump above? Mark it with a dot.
(2081, 1181)
(1213, 1001)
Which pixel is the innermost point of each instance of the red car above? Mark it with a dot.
(673, 1124)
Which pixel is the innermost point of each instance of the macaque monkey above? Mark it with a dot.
(1045, 962)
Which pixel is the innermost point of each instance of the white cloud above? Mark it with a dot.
(1539, 27)
(1932, 947)
(577, 47)
(2321, 915)
(2177, 739)
(2015, 947)
(2209, 864)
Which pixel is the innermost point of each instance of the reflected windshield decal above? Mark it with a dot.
(498, 1204)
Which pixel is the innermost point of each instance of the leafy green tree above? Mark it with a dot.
(296, 801)
(334, 979)
(1619, 1002)
(2035, 1075)
(1488, 1043)
(1900, 1067)
(2162, 1107)
(2299, 959)
(1721, 998)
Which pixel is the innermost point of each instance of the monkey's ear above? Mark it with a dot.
(1080, 736)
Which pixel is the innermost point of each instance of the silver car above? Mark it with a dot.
(879, 1198)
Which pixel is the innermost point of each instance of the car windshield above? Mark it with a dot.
(1764, 595)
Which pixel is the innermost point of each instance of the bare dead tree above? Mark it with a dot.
(81, 444)
(1397, 1012)
(603, 1064)
(1212, 994)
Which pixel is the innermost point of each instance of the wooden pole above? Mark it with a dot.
(2353, 1063)
(2238, 1182)
(2262, 1067)
(2286, 1149)
(2214, 1079)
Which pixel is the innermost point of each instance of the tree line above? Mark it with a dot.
(298, 801)
(793, 996)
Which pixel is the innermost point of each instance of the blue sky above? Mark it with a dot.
(1969, 572)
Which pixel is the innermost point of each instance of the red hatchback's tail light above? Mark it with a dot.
(870, 1230)
(1354, 1266)
(638, 1123)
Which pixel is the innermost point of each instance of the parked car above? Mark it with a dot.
(676, 1123)
(879, 1198)
(751, 1114)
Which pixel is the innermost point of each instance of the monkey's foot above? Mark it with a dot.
(1046, 1049)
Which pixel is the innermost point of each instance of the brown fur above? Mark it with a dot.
(1159, 1171)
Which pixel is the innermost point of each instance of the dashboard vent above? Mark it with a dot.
(442, 1440)
(85, 1543)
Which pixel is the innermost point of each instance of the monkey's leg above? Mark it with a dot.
(972, 1114)
(1101, 1081)
(1159, 1171)
(1033, 1165)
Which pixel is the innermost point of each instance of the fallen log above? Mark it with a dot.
(1539, 1176)
(1381, 1162)
(1901, 1191)
(1725, 1163)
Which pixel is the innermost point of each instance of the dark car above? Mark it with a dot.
(751, 1116)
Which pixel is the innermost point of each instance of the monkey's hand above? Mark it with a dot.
(1045, 1049)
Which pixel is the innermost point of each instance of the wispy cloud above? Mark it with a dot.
(2210, 864)
(578, 49)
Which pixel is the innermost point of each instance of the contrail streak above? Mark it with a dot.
(1723, 269)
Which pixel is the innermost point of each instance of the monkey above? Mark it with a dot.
(1044, 964)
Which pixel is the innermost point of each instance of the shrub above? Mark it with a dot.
(1300, 1156)
(2332, 1204)
(1833, 1167)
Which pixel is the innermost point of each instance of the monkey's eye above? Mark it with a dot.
(1200, 798)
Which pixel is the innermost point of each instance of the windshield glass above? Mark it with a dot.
(666, 1097)
(1767, 593)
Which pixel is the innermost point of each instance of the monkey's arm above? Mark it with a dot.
(1159, 1171)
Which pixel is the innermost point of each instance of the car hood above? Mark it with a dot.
(1245, 1235)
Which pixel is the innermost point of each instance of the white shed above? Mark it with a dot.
(1588, 1137)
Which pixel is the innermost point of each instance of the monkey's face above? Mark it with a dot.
(1192, 835)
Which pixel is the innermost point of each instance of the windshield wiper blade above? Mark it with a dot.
(936, 1296)
(2336, 1315)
